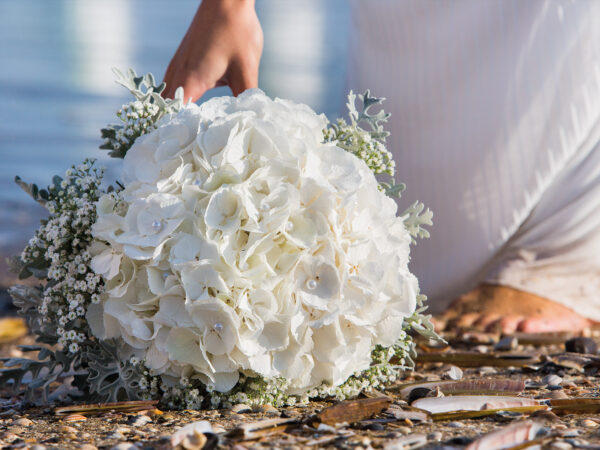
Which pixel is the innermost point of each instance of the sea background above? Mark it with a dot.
(57, 89)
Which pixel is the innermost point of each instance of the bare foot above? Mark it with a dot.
(493, 307)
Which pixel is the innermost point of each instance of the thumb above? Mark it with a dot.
(241, 78)
(193, 87)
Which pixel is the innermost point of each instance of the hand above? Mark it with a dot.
(222, 47)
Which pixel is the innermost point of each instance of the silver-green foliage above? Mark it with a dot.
(58, 256)
(139, 116)
(369, 145)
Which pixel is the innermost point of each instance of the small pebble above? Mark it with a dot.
(581, 345)
(418, 393)
(374, 427)
(452, 373)
(68, 429)
(138, 421)
(588, 423)
(269, 410)
(459, 440)
(22, 422)
(403, 430)
(125, 446)
(218, 429)
(487, 370)
(570, 433)
(555, 388)
(115, 435)
(435, 436)
(552, 380)
(87, 447)
(123, 430)
(481, 349)
(506, 344)
(544, 431)
(560, 445)
(326, 428)
(578, 443)
(37, 447)
(9, 437)
(455, 425)
(558, 394)
(241, 408)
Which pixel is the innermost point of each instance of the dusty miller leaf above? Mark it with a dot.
(415, 217)
(110, 377)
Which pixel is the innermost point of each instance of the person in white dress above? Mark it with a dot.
(495, 126)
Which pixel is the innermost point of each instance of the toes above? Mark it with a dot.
(467, 320)
(485, 320)
(538, 325)
(510, 324)
(547, 324)
(505, 325)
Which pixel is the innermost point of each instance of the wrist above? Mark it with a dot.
(229, 5)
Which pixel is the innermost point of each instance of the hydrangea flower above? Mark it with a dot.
(243, 245)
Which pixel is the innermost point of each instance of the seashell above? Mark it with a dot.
(471, 403)
(74, 418)
(509, 436)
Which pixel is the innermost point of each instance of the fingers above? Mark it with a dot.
(242, 76)
(193, 87)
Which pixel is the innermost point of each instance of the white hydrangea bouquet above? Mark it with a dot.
(249, 254)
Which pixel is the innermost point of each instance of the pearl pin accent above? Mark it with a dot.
(218, 327)
(265, 207)
(157, 225)
(311, 284)
(289, 226)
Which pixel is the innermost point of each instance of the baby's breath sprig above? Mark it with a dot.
(139, 116)
(58, 254)
(366, 144)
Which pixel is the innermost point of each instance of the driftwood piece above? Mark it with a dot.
(353, 410)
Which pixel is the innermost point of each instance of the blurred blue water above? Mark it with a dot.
(57, 89)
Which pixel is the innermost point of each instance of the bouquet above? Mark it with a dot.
(248, 254)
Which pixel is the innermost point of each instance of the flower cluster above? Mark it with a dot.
(139, 116)
(60, 246)
(250, 256)
(244, 247)
(368, 145)
(138, 119)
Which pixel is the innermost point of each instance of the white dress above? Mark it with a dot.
(496, 127)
